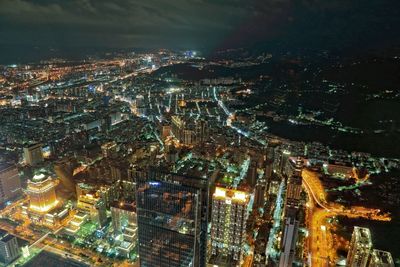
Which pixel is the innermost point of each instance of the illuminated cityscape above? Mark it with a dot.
(199, 133)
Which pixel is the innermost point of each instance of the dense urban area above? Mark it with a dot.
(169, 158)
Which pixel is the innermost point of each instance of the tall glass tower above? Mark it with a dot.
(172, 212)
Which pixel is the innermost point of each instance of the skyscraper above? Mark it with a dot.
(172, 213)
(124, 223)
(289, 239)
(259, 194)
(292, 207)
(9, 250)
(293, 192)
(123, 215)
(202, 131)
(229, 216)
(10, 184)
(177, 127)
(91, 200)
(360, 247)
(283, 161)
(42, 194)
(33, 154)
(380, 258)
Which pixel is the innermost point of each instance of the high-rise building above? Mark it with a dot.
(360, 247)
(259, 194)
(172, 212)
(292, 208)
(165, 131)
(189, 132)
(289, 239)
(293, 192)
(91, 201)
(283, 161)
(98, 213)
(293, 167)
(268, 168)
(42, 193)
(9, 249)
(10, 184)
(380, 258)
(177, 127)
(229, 216)
(252, 172)
(33, 154)
(123, 215)
(188, 137)
(124, 221)
(139, 105)
(65, 170)
(202, 131)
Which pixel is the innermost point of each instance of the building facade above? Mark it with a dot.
(172, 213)
(289, 239)
(380, 258)
(229, 216)
(9, 249)
(360, 247)
(33, 154)
(292, 210)
(10, 184)
(42, 193)
(124, 221)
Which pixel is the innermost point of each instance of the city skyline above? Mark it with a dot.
(199, 133)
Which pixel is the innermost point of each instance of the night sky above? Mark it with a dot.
(199, 24)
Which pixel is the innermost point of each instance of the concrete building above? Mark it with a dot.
(124, 221)
(9, 249)
(360, 247)
(259, 195)
(289, 239)
(283, 161)
(123, 214)
(33, 154)
(380, 258)
(292, 208)
(189, 132)
(10, 184)
(91, 201)
(293, 192)
(228, 217)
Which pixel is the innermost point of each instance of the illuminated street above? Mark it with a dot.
(321, 250)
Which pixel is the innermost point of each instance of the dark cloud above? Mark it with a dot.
(197, 23)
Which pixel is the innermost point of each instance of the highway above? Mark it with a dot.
(313, 184)
(320, 247)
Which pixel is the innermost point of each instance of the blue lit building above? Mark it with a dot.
(172, 213)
